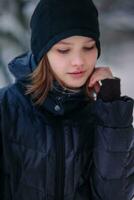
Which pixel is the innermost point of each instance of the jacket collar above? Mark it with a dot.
(61, 101)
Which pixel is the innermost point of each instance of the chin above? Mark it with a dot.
(74, 85)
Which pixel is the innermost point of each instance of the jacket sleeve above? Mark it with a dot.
(112, 175)
(3, 177)
(0, 159)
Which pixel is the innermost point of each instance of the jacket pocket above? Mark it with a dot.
(111, 150)
(28, 168)
(109, 165)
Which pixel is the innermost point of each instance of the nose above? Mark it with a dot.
(77, 60)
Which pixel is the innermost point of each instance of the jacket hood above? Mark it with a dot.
(22, 65)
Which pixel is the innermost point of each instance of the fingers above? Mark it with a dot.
(97, 87)
(100, 73)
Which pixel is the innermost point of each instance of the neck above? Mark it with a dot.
(67, 99)
(60, 86)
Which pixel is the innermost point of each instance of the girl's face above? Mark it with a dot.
(73, 59)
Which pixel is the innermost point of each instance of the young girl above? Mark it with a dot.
(58, 141)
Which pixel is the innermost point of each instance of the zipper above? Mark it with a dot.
(60, 161)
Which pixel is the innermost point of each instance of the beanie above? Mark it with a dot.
(54, 20)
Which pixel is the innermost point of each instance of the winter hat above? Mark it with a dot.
(54, 20)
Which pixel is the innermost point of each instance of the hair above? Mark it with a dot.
(41, 80)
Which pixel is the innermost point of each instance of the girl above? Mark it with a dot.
(57, 140)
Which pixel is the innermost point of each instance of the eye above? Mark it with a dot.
(63, 51)
(89, 48)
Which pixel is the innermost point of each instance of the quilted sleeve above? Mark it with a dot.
(112, 175)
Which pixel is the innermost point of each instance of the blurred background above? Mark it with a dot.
(117, 37)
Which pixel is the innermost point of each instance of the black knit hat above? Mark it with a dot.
(54, 20)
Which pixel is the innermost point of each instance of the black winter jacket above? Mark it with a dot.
(68, 148)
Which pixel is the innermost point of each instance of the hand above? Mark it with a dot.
(99, 73)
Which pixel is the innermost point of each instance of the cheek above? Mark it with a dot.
(91, 63)
(57, 66)
(54, 59)
(95, 55)
(92, 58)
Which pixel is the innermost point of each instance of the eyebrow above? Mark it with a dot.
(68, 43)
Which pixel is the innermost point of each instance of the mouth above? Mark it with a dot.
(77, 74)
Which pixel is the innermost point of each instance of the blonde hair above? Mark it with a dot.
(41, 80)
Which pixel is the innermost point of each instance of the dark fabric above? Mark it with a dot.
(61, 101)
(54, 20)
(110, 89)
(82, 153)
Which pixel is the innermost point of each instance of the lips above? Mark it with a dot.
(77, 72)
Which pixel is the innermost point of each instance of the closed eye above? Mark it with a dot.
(63, 51)
(67, 50)
(89, 48)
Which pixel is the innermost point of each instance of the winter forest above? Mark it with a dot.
(117, 37)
